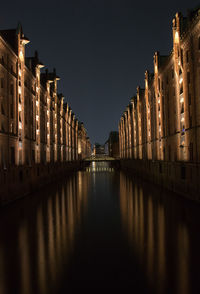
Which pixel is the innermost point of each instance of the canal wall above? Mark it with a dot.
(19, 181)
(180, 177)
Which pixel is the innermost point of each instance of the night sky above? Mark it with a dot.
(99, 48)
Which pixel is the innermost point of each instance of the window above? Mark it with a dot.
(191, 151)
(159, 84)
(181, 89)
(2, 83)
(187, 56)
(33, 155)
(169, 152)
(188, 77)
(11, 89)
(182, 108)
(11, 128)
(189, 98)
(182, 56)
(2, 109)
(190, 121)
(2, 128)
(11, 111)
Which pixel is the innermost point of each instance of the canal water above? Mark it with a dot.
(100, 229)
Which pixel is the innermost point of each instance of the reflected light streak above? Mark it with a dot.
(161, 262)
(42, 279)
(51, 251)
(2, 272)
(24, 259)
(183, 260)
(150, 240)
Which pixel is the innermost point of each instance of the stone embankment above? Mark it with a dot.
(180, 177)
(19, 181)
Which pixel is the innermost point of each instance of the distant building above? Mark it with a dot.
(84, 145)
(99, 149)
(113, 144)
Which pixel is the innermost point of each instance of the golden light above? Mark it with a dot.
(40, 65)
(25, 41)
(176, 37)
(21, 56)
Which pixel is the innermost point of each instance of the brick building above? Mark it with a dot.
(113, 144)
(162, 122)
(84, 145)
(36, 126)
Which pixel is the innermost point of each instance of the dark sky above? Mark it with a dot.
(100, 49)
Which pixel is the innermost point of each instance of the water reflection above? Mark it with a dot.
(100, 229)
(99, 167)
(42, 227)
(160, 235)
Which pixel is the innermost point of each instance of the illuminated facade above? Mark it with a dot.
(162, 121)
(159, 132)
(36, 126)
(84, 145)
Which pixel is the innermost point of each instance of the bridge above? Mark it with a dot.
(100, 157)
